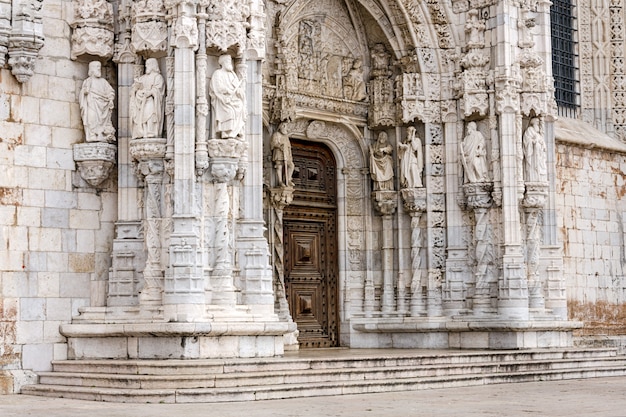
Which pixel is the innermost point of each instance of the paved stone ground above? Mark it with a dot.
(598, 397)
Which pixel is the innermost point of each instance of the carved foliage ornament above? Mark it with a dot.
(149, 26)
(92, 28)
(227, 24)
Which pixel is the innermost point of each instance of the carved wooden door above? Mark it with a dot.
(310, 236)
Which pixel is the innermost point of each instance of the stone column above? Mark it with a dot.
(149, 154)
(512, 286)
(223, 171)
(415, 205)
(184, 284)
(453, 288)
(281, 198)
(534, 201)
(479, 200)
(385, 202)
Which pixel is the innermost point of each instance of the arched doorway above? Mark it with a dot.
(310, 236)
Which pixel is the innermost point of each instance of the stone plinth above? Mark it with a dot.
(95, 160)
(217, 339)
(422, 333)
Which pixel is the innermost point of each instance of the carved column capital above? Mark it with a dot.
(281, 197)
(478, 195)
(414, 200)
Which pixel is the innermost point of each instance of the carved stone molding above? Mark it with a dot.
(149, 28)
(5, 29)
(385, 202)
(536, 195)
(227, 23)
(227, 148)
(95, 161)
(147, 148)
(414, 199)
(26, 38)
(92, 29)
(478, 194)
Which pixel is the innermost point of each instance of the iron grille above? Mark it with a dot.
(564, 55)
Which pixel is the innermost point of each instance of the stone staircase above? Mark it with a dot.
(315, 373)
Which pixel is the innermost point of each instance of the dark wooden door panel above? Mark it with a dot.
(311, 247)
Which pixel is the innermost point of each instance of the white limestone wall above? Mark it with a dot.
(55, 230)
(591, 187)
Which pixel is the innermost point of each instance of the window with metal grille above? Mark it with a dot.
(564, 56)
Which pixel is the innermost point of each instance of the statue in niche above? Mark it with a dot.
(353, 83)
(96, 102)
(227, 98)
(475, 29)
(380, 60)
(281, 155)
(535, 152)
(147, 101)
(411, 160)
(474, 155)
(381, 163)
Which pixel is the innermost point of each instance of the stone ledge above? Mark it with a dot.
(176, 329)
(442, 333)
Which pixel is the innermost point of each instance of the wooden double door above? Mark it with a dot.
(310, 236)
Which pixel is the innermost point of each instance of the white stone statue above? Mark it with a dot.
(147, 101)
(475, 30)
(474, 155)
(534, 152)
(227, 98)
(381, 163)
(353, 83)
(96, 101)
(281, 155)
(411, 160)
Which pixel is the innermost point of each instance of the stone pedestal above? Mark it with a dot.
(95, 161)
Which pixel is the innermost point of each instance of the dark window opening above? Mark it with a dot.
(564, 57)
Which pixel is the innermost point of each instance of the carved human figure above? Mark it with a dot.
(474, 155)
(381, 163)
(534, 152)
(147, 101)
(281, 155)
(353, 83)
(380, 60)
(411, 160)
(227, 98)
(475, 29)
(96, 102)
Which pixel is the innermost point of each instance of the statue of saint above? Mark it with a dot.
(227, 98)
(411, 160)
(96, 102)
(281, 155)
(381, 163)
(535, 152)
(146, 102)
(475, 30)
(353, 83)
(474, 155)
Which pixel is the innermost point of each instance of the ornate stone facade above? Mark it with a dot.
(153, 197)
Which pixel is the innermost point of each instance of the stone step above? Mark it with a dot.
(210, 380)
(293, 390)
(326, 360)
